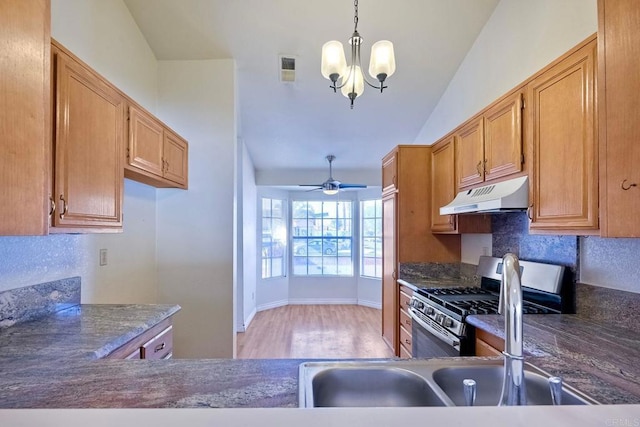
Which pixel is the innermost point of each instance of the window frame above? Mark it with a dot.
(377, 236)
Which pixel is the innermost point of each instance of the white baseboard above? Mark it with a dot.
(242, 327)
(274, 304)
(372, 304)
(323, 301)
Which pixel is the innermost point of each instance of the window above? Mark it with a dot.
(274, 238)
(322, 236)
(371, 241)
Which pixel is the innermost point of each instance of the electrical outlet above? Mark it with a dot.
(103, 257)
(485, 250)
(253, 296)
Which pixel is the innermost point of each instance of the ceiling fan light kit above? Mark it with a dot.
(332, 186)
(350, 79)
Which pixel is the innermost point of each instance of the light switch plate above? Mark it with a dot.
(103, 257)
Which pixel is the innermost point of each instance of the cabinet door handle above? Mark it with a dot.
(628, 186)
(159, 347)
(52, 204)
(478, 168)
(529, 212)
(393, 275)
(65, 207)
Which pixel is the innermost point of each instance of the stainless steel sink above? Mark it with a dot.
(489, 384)
(434, 382)
(374, 386)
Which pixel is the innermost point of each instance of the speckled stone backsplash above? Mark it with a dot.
(28, 303)
(612, 306)
(511, 234)
(464, 273)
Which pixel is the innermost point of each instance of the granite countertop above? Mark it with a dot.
(51, 363)
(600, 360)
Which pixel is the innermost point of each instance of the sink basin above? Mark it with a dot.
(429, 382)
(489, 386)
(376, 386)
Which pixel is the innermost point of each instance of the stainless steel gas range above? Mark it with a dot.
(439, 327)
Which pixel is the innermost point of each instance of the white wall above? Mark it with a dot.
(247, 238)
(103, 34)
(195, 228)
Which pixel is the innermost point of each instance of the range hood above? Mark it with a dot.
(511, 195)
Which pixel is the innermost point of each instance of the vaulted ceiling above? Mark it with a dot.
(295, 125)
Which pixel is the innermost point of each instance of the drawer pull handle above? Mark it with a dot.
(407, 341)
(408, 322)
(159, 347)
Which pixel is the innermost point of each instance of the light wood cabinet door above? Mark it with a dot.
(175, 158)
(443, 184)
(619, 120)
(146, 140)
(563, 132)
(156, 155)
(389, 273)
(470, 153)
(503, 138)
(88, 177)
(25, 119)
(389, 172)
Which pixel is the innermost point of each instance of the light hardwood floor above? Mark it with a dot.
(314, 331)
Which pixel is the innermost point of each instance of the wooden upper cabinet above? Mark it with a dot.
(443, 190)
(443, 184)
(176, 152)
(470, 153)
(88, 141)
(155, 155)
(145, 141)
(503, 137)
(25, 120)
(619, 121)
(490, 144)
(390, 172)
(563, 130)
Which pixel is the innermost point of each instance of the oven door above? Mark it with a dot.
(430, 340)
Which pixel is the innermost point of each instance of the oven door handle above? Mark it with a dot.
(452, 342)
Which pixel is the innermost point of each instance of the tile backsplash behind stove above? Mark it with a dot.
(511, 234)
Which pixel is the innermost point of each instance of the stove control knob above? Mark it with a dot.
(447, 323)
(439, 318)
(430, 311)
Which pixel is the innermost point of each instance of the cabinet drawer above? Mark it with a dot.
(159, 346)
(405, 299)
(405, 320)
(405, 337)
(405, 353)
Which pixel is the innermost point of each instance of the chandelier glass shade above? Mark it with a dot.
(349, 78)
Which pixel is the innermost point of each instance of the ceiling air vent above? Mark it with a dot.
(287, 69)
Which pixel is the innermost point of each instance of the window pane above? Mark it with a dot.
(274, 238)
(322, 233)
(371, 238)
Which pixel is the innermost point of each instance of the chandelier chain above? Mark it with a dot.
(355, 17)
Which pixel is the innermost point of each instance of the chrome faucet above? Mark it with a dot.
(513, 385)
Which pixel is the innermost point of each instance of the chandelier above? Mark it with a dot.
(350, 79)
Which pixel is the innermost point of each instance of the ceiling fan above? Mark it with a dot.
(332, 186)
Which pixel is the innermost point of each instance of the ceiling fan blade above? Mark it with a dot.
(343, 185)
(310, 185)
